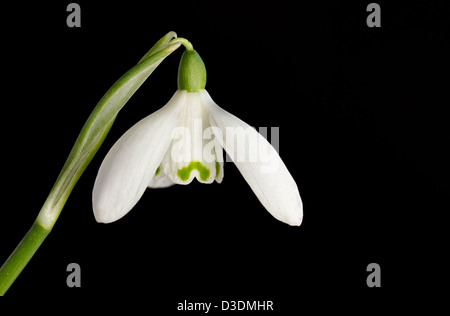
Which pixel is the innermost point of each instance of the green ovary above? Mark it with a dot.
(185, 172)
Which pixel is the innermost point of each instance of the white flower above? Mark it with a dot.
(183, 140)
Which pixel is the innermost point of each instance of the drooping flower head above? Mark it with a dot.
(183, 140)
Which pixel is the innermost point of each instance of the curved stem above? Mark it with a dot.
(88, 142)
(183, 41)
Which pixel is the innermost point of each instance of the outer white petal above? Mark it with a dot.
(263, 170)
(131, 163)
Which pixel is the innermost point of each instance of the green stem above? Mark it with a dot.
(184, 42)
(21, 255)
(71, 172)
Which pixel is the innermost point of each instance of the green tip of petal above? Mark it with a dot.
(185, 172)
(217, 169)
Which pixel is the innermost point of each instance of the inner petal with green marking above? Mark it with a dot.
(185, 172)
(192, 152)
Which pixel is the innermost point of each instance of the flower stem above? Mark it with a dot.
(88, 142)
(21, 255)
(183, 41)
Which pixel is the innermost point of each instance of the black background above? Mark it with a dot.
(364, 131)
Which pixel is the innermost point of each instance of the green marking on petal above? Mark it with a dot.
(217, 168)
(157, 171)
(185, 172)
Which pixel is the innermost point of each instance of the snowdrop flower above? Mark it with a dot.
(183, 140)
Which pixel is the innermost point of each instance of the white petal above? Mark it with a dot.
(259, 164)
(131, 163)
